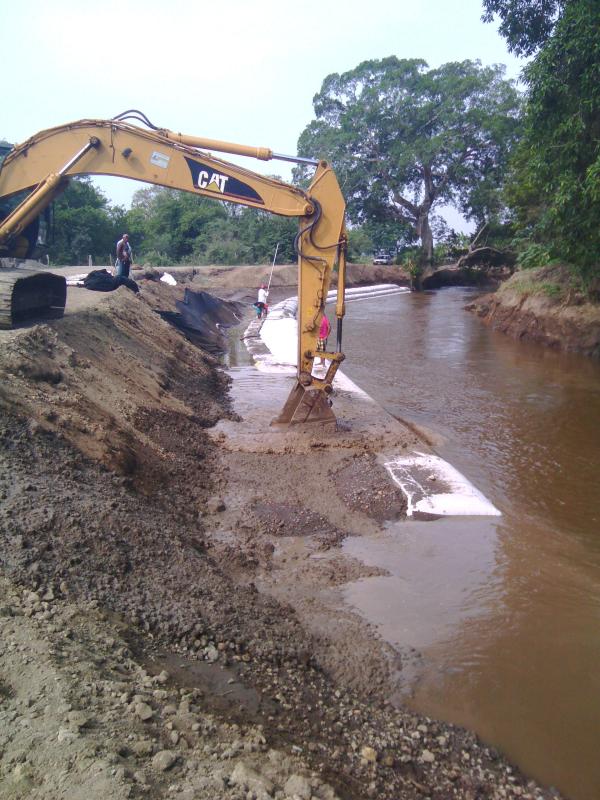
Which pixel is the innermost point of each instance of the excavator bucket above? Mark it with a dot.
(27, 295)
(306, 406)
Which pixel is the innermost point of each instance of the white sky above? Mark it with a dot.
(243, 71)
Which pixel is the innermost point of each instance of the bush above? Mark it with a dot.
(156, 259)
(533, 255)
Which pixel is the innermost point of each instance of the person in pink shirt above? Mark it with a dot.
(324, 332)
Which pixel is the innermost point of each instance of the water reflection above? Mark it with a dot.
(442, 575)
(506, 612)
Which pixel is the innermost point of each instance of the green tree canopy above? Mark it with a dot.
(84, 224)
(169, 222)
(405, 139)
(525, 24)
(170, 227)
(556, 179)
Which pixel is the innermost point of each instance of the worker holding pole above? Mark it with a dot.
(263, 293)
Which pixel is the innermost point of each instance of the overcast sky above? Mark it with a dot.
(243, 71)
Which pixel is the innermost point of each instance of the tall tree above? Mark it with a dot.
(405, 139)
(555, 187)
(168, 226)
(168, 222)
(525, 24)
(84, 224)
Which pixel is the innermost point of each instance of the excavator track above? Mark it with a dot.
(29, 295)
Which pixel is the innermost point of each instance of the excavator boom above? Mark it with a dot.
(41, 167)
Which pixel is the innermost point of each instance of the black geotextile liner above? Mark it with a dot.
(99, 280)
(203, 318)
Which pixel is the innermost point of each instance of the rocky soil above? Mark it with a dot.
(165, 623)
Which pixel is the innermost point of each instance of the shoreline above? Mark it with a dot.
(540, 306)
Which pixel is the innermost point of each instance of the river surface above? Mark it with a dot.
(503, 613)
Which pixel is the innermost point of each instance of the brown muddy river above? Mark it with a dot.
(503, 613)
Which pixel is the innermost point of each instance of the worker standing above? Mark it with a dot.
(261, 303)
(124, 257)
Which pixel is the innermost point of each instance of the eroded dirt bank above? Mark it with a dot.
(539, 306)
(166, 627)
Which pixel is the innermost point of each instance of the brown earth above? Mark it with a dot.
(170, 627)
(284, 275)
(541, 306)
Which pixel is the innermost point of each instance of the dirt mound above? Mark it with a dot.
(242, 277)
(108, 471)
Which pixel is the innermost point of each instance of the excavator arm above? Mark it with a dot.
(43, 164)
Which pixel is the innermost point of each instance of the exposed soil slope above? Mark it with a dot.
(227, 278)
(539, 306)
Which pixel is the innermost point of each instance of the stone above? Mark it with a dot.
(23, 774)
(164, 760)
(143, 747)
(298, 786)
(66, 735)
(78, 720)
(246, 778)
(427, 756)
(369, 754)
(143, 711)
(215, 505)
(211, 654)
(139, 777)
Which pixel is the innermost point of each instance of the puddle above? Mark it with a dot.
(220, 684)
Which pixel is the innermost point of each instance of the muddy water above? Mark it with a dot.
(499, 618)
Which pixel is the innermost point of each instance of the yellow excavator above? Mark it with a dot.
(34, 173)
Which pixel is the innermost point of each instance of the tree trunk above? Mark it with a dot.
(426, 258)
(426, 236)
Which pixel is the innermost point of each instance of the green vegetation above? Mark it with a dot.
(166, 227)
(405, 139)
(554, 188)
(532, 255)
(84, 224)
(537, 281)
(170, 227)
(525, 24)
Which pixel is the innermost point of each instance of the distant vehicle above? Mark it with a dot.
(383, 257)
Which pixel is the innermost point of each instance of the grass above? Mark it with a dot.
(537, 282)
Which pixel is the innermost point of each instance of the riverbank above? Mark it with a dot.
(541, 306)
(165, 572)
